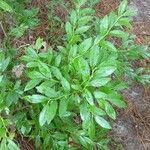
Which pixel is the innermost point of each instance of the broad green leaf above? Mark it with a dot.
(110, 46)
(94, 56)
(47, 90)
(88, 96)
(99, 82)
(69, 29)
(36, 75)
(92, 129)
(125, 22)
(32, 64)
(122, 7)
(116, 99)
(84, 20)
(12, 145)
(104, 71)
(5, 64)
(82, 29)
(38, 43)
(99, 95)
(12, 97)
(51, 111)
(97, 111)
(72, 52)
(87, 11)
(65, 84)
(44, 69)
(42, 116)
(5, 6)
(102, 122)
(73, 17)
(3, 145)
(110, 110)
(121, 86)
(119, 33)
(104, 25)
(63, 104)
(36, 98)
(84, 68)
(56, 72)
(79, 3)
(84, 111)
(31, 52)
(58, 60)
(85, 45)
(31, 84)
(1, 78)
(112, 18)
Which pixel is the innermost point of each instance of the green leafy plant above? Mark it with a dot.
(67, 99)
(81, 81)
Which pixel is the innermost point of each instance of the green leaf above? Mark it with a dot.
(84, 111)
(12, 97)
(79, 3)
(58, 60)
(72, 52)
(5, 64)
(122, 7)
(56, 72)
(36, 75)
(104, 71)
(1, 78)
(47, 90)
(36, 98)
(91, 129)
(85, 45)
(38, 43)
(88, 96)
(97, 111)
(116, 99)
(104, 25)
(5, 6)
(102, 122)
(94, 56)
(65, 84)
(119, 34)
(63, 104)
(31, 84)
(110, 46)
(3, 145)
(82, 29)
(42, 116)
(31, 52)
(99, 82)
(32, 65)
(83, 68)
(44, 69)
(73, 17)
(99, 95)
(12, 145)
(110, 110)
(68, 28)
(84, 20)
(51, 111)
(87, 11)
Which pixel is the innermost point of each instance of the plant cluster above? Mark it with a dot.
(67, 99)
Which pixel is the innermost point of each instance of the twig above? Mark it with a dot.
(3, 29)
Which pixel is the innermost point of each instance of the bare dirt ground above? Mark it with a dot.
(132, 128)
